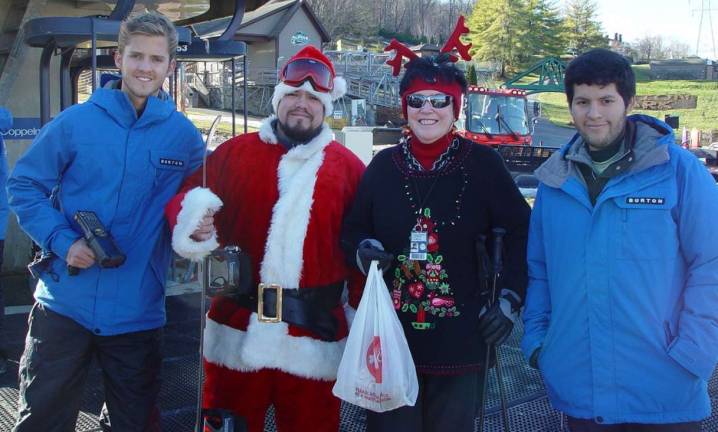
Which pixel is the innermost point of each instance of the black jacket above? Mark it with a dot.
(467, 194)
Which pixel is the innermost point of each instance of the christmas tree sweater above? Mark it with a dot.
(430, 220)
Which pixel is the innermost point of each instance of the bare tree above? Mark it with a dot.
(650, 47)
(422, 11)
(442, 18)
(430, 19)
(344, 17)
(677, 50)
(656, 47)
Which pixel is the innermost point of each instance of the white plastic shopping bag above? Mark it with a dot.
(376, 371)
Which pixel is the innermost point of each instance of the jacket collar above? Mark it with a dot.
(118, 106)
(650, 149)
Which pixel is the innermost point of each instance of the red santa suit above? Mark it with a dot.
(285, 208)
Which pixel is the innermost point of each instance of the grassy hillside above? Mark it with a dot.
(703, 117)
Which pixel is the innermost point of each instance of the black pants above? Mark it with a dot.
(446, 403)
(583, 425)
(54, 366)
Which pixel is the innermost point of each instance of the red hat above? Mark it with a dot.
(312, 71)
(452, 89)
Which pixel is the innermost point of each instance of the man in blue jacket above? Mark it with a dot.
(5, 124)
(122, 155)
(622, 307)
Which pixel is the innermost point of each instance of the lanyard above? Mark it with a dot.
(423, 200)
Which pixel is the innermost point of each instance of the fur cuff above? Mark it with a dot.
(340, 88)
(194, 206)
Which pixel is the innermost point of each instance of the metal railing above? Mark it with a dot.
(367, 76)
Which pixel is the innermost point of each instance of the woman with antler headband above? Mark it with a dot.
(422, 208)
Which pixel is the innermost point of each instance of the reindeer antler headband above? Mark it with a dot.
(402, 51)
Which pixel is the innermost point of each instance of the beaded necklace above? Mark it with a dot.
(447, 163)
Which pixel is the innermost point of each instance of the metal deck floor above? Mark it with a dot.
(529, 410)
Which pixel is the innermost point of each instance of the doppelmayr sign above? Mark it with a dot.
(23, 128)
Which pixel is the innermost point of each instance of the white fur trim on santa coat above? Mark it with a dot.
(269, 345)
(297, 173)
(340, 88)
(256, 349)
(195, 205)
(266, 133)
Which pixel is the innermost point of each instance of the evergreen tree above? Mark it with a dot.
(545, 27)
(471, 75)
(582, 30)
(499, 32)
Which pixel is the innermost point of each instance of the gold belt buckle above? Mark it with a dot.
(260, 304)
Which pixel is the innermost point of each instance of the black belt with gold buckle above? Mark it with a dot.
(308, 308)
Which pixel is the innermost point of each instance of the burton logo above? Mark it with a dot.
(171, 162)
(646, 200)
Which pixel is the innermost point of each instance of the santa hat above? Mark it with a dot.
(327, 97)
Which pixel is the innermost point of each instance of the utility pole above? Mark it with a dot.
(705, 9)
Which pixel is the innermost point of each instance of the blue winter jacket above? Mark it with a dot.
(99, 156)
(5, 125)
(623, 295)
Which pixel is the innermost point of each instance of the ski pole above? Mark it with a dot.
(483, 262)
(497, 268)
(204, 286)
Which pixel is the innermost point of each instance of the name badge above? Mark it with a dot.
(418, 243)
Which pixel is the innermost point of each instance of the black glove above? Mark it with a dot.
(533, 360)
(495, 325)
(370, 250)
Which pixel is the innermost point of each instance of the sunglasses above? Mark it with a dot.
(437, 100)
(296, 72)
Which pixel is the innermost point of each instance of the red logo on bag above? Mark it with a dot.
(373, 359)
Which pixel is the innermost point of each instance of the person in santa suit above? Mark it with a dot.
(280, 194)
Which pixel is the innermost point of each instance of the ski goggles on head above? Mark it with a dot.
(319, 75)
(438, 101)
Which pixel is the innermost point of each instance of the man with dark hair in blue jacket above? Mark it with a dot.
(122, 155)
(622, 306)
(5, 124)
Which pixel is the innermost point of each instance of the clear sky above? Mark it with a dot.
(672, 19)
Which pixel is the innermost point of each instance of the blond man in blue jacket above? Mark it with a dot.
(123, 155)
